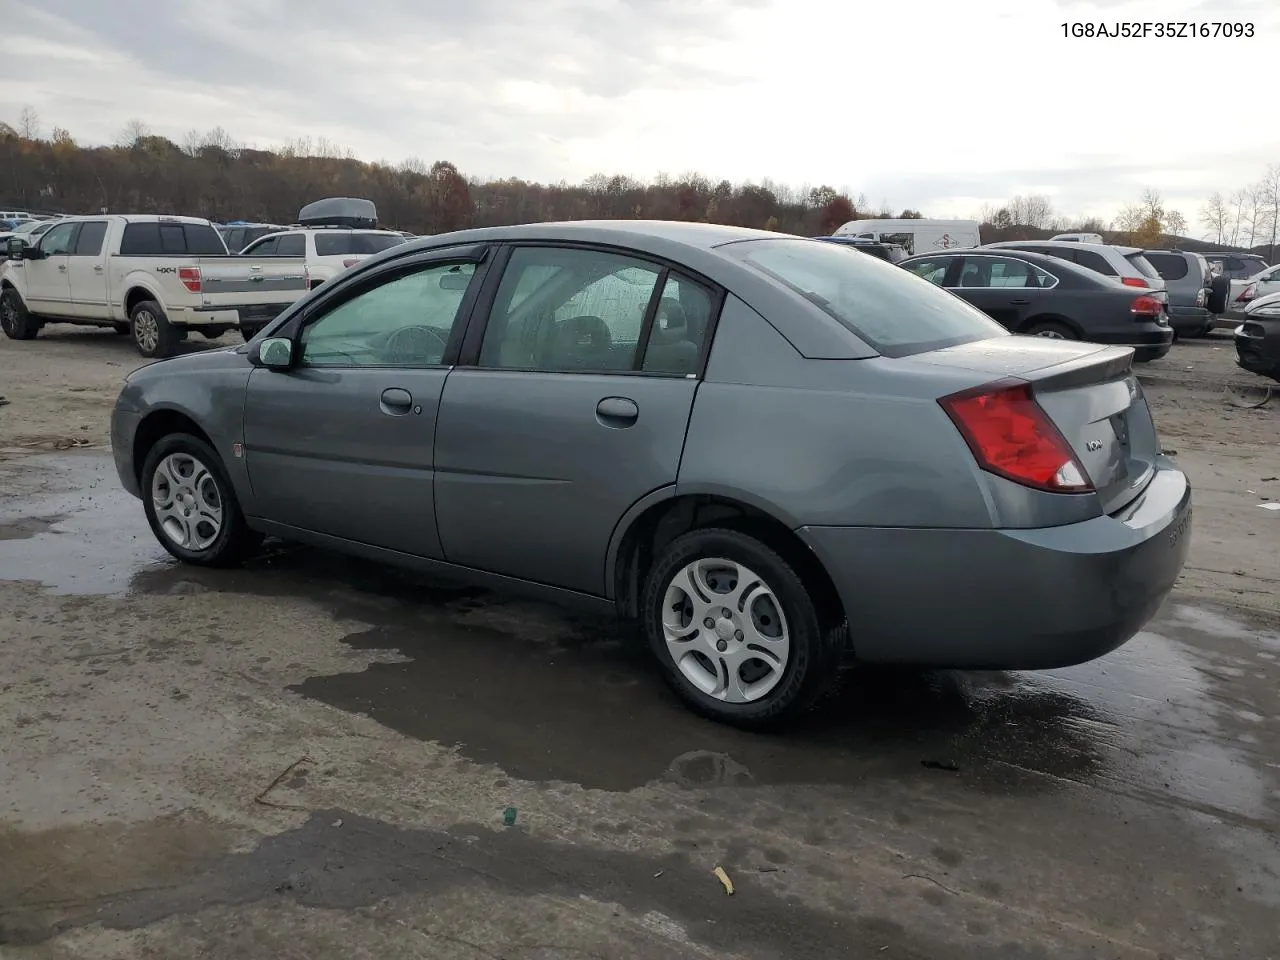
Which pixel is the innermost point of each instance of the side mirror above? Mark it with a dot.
(274, 353)
(17, 248)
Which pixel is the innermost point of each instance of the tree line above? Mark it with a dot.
(209, 174)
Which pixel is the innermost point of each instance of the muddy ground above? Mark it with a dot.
(1126, 808)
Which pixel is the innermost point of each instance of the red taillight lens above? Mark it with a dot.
(1146, 307)
(1134, 282)
(350, 262)
(191, 279)
(1012, 437)
(1248, 293)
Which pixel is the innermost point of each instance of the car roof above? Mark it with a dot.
(1043, 260)
(676, 233)
(1097, 247)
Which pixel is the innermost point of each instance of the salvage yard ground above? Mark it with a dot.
(1128, 808)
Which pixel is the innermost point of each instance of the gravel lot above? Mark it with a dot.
(1128, 808)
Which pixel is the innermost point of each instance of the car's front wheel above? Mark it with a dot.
(736, 631)
(16, 322)
(191, 505)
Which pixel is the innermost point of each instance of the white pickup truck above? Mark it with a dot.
(156, 278)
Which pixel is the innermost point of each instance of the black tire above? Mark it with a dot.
(814, 660)
(16, 322)
(213, 333)
(153, 334)
(1219, 291)
(249, 333)
(124, 329)
(234, 540)
(1051, 328)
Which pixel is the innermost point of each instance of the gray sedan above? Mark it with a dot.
(772, 454)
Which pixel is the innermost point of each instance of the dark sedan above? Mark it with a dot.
(1258, 338)
(1045, 296)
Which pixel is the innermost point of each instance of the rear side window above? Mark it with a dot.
(1093, 261)
(292, 245)
(1170, 266)
(896, 312)
(1144, 267)
(344, 244)
(158, 239)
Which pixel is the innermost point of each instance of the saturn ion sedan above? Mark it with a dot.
(777, 457)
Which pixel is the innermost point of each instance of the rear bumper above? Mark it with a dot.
(1009, 599)
(248, 315)
(1190, 319)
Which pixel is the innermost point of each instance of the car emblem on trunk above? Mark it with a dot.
(1094, 445)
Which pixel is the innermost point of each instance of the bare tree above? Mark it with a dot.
(29, 123)
(1215, 217)
(1255, 213)
(1175, 225)
(133, 131)
(1270, 189)
(1237, 202)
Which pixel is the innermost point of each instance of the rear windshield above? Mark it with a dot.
(889, 308)
(159, 238)
(1143, 265)
(1171, 266)
(343, 244)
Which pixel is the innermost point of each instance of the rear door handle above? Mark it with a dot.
(1020, 303)
(617, 412)
(396, 402)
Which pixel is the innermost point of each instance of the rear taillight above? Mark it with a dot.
(1012, 437)
(1146, 307)
(350, 262)
(1202, 297)
(1248, 293)
(1134, 282)
(191, 279)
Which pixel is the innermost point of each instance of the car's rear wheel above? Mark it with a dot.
(191, 505)
(1051, 329)
(15, 320)
(737, 633)
(153, 334)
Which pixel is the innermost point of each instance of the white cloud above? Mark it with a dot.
(935, 104)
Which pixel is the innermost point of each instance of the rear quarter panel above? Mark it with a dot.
(826, 442)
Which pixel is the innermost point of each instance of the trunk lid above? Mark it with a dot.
(1089, 392)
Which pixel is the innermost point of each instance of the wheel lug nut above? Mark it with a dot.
(725, 612)
(737, 634)
(709, 623)
(721, 646)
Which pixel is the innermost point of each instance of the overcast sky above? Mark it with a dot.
(940, 105)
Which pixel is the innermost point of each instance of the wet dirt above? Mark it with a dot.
(1125, 808)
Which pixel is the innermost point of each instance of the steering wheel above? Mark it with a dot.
(413, 344)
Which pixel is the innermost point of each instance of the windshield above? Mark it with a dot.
(344, 244)
(891, 309)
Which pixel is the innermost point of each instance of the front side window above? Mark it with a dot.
(889, 308)
(405, 321)
(579, 310)
(58, 240)
(263, 248)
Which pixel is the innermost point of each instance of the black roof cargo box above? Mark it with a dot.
(339, 212)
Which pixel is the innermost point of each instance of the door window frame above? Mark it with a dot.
(478, 321)
(995, 256)
(350, 285)
(71, 244)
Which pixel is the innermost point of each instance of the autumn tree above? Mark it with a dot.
(837, 212)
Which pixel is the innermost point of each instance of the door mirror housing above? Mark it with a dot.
(17, 249)
(274, 353)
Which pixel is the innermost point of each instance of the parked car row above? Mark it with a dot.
(160, 278)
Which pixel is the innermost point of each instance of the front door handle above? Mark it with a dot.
(1020, 303)
(617, 412)
(396, 402)
(62, 268)
(98, 269)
